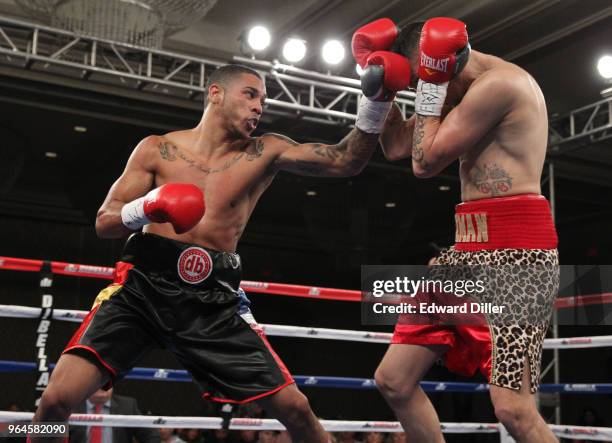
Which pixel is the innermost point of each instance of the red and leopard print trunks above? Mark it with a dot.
(515, 231)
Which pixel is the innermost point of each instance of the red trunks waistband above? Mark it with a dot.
(516, 222)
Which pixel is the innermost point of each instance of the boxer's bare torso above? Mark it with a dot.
(232, 182)
(232, 168)
(495, 123)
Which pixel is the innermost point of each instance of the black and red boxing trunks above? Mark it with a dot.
(506, 233)
(186, 299)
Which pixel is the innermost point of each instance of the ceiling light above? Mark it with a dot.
(80, 129)
(604, 66)
(258, 38)
(444, 188)
(390, 205)
(50, 154)
(333, 52)
(294, 50)
(311, 193)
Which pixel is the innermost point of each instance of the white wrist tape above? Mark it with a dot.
(371, 115)
(430, 98)
(132, 214)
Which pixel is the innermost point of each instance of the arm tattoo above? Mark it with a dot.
(352, 153)
(332, 152)
(309, 168)
(354, 150)
(418, 155)
(168, 151)
(491, 179)
(358, 147)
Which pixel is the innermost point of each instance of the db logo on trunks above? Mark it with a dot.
(194, 265)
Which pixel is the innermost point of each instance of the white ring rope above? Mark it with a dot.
(321, 333)
(153, 421)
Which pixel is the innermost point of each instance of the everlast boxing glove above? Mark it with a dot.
(443, 52)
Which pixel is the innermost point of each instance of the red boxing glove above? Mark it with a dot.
(181, 204)
(443, 50)
(385, 74)
(375, 36)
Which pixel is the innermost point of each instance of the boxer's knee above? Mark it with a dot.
(55, 405)
(289, 406)
(517, 417)
(297, 410)
(393, 388)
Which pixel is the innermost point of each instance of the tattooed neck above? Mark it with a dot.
(490, 179)
(169, 152)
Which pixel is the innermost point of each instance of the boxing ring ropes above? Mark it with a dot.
(174, 375)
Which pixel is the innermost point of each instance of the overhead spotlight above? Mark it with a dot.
(359, 70)
(444, 188)
(311, 193)
(333, 52)
(51, 154)
(80, 129)
(258, 38)
(390, 205)
(604, 66)
(294, 50)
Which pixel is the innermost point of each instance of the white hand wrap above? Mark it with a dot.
(132, 214)
(430, 98)
(371, 115)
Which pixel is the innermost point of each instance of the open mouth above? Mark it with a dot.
(252, 123)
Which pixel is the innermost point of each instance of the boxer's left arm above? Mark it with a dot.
(385, 73)
(343, 159)
(436, 144)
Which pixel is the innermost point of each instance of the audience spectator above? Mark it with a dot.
(266, 437)
(168, 435)
(105, 402)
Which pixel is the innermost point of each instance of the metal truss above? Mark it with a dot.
(293, 92)
(581, 127)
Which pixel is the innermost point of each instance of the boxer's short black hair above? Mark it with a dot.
(407, 42)
(225, 74)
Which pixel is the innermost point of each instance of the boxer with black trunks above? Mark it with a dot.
(491, 116)
(177, 284)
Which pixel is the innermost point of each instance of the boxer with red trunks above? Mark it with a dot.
(491, 116)
(177, 284)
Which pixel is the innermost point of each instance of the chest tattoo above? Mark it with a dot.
(170, 152)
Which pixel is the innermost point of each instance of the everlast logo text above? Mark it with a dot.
(437, 64)
(471, 228)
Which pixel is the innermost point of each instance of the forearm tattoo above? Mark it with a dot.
(354, 150)
(418, 154)
(491, 179)
(170, 152)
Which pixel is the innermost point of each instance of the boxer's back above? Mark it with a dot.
(510, 158)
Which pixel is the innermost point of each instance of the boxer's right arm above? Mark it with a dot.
(136, 180)
(396, 136)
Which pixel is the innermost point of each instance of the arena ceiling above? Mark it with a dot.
(557, 41)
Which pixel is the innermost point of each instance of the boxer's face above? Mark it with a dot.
(243, 103)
